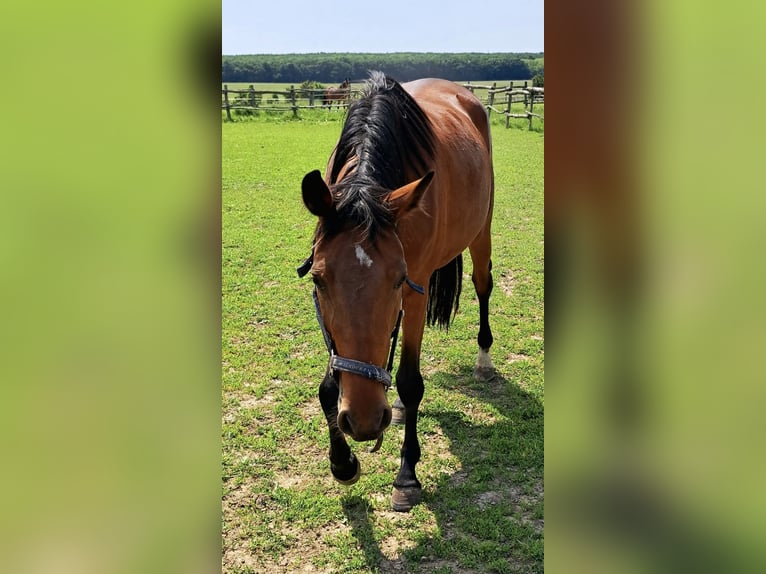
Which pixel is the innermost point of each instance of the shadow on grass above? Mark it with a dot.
(489, 512)
(358, 510)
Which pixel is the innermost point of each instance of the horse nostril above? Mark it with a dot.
(344, 423)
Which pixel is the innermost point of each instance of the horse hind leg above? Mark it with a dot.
(481, 250)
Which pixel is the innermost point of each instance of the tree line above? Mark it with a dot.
(404, 66)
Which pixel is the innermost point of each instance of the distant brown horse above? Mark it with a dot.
(408, 188)
(340, 95)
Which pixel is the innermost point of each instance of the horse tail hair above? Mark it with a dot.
(444, 293)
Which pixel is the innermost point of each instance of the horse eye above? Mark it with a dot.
(399, 283)
(318, 283)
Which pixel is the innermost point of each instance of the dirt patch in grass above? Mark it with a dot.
(236, 555)
(444, 566)
(294, 548)
(311, 409)
(485, 499)
(238, 401)
(521, 502)
(506, 282)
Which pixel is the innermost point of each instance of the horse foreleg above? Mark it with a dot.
(343, 463)
(409, 384)
(481, 250)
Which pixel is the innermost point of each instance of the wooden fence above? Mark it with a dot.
(290, 100)
(498, 99)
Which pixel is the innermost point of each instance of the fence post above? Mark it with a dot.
(292, 100)
(531, 107)
(226, 101)
(491, 99)
(509, 98)
(251, 95)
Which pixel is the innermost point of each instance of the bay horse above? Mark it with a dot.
(339, 94)
(408, 187)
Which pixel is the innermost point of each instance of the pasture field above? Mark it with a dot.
(482, 443)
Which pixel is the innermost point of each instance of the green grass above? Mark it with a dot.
(482, 464)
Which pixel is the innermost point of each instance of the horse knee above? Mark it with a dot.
(482, 282)
(328, 395)
(410, 389)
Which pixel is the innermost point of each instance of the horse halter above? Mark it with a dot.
(338, 363)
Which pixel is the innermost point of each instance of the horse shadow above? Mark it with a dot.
(492, 503)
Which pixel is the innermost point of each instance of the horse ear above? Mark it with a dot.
(316, 195)
(408, 196)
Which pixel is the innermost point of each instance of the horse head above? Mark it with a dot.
(359, 270)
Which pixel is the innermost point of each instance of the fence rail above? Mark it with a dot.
(500, 99)
(289, 100)
(497, 99)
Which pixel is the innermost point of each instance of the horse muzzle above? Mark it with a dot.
(369, 426)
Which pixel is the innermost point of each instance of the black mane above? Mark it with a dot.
(387, 141)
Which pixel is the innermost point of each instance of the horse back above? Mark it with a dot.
(448, 106)
(459, 202)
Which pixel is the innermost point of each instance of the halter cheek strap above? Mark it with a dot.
(414, 286)
(306, 265)
(367, 370)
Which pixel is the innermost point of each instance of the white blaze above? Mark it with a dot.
(362, 256)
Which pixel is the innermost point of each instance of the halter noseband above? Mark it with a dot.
(338, 363)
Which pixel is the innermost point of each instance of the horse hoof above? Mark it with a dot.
(484, 370)
(397, 412)
(403, 499)
(484, 374)
(343, 477)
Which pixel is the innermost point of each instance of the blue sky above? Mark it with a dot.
(300, 26)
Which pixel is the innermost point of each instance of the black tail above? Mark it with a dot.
(444, 293)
